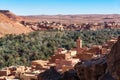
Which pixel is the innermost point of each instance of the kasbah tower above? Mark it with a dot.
(79, 45)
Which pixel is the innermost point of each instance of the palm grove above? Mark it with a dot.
(22, 49)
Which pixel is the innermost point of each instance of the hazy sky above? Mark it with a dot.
(52, 7)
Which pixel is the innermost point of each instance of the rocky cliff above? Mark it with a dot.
(113, 60)
(91, 69)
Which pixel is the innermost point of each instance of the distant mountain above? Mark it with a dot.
(9, 24)
(75, 18)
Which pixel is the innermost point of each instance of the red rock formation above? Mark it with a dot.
(91, 69)
(113, 60)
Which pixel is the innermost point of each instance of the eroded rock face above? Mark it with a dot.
(50, 74)
(106, 76)
(70, 75)
(113, 60)
(91, 69)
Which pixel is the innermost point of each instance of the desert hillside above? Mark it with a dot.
(9, 24)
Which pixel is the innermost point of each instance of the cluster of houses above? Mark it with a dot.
(62, 60)
(45, 25)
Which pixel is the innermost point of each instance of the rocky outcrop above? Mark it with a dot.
(70, 75)
(91, 69)
(50, 74)
(113, 60)
(106, 76)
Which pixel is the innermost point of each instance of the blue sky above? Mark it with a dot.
(54, 7)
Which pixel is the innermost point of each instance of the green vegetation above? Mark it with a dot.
(22, 49)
